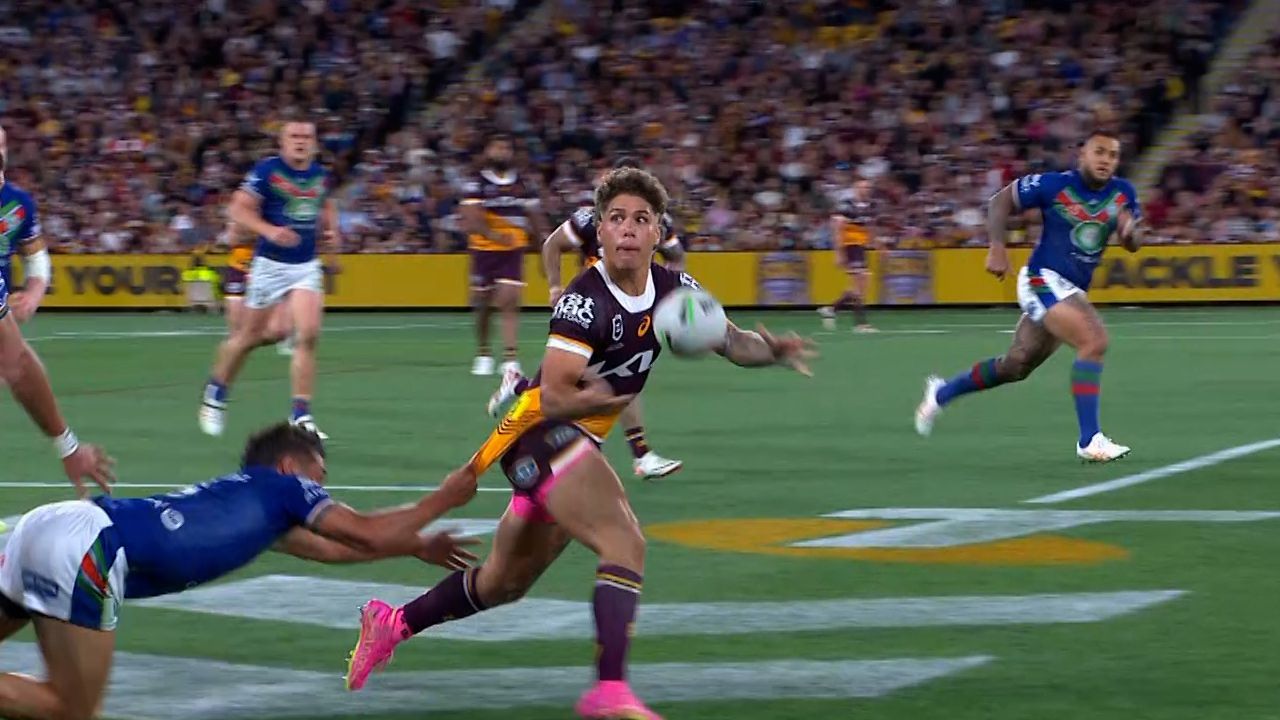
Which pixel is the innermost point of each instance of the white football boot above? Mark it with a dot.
(212, 417)
(511, 365)
(652, 466)
(928, 409)
(501, 398)
(828, 314)
(308, 423)
(482, 365)
(1101, 449)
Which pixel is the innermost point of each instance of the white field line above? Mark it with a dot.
(1195, 463)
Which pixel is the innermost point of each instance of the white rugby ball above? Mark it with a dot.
(690, 322)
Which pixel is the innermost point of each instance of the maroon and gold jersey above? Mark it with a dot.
(612, 330)
(507, 203)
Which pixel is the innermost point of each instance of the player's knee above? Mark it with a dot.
(1094, 347)
(625, 546)
(307, 337)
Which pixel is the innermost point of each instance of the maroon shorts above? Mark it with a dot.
(538, 459)
(855, 257)
(233, 282)
(496, 267)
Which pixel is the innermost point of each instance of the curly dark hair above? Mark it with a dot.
(631, 181)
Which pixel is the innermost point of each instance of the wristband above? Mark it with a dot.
(66, 444)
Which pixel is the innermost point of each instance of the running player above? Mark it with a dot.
(599, 354)
(1081, 209)
(20, 368)
(852, 227)
(578, 233)
(284, 200)
(69, 565)
(499, 213)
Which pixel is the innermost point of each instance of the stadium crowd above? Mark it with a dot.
(757, 115)
(1222, 184)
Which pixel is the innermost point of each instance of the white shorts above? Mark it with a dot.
(271, 280)
(1041, 290)
(64, 561)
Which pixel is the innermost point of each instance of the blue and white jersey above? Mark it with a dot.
(290, 198)
(191, 536)
(1077, 221)
(19, 225)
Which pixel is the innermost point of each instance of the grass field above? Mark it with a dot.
(911, 609)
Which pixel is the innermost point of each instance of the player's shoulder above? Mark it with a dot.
(269, 163)
(272, 480)
(665, 279)
(1125, 186)
(582, 299)
(13, 192)
(583, 218)
(1045, 180)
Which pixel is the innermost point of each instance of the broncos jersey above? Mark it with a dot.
(612, 330)
(507, 203)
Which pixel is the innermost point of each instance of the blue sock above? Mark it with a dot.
(215, 391)
(981, 376)
(1086, 388)
(301, 406)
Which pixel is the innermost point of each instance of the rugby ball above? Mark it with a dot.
(690, 322)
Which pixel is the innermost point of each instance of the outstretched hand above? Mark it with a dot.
(790, 350)
(447, 550)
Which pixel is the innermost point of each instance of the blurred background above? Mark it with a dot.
(132, 122)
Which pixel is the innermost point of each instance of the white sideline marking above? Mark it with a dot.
(151, 687)
(467, 527)
(1195, 463)
(955, 527)
(171, 486)
(334, 604)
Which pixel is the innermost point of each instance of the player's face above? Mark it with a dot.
(628, 233)
(500, 153)
(298, 142)
(1099, 157)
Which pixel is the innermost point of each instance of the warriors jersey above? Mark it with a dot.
(612, 330)
(1078, 220)
(508, 203)
(290, 198)
(18, 226)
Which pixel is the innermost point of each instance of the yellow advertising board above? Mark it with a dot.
(1194, 273)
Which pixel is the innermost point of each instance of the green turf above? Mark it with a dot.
(767, 444)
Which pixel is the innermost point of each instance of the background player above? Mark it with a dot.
(284, 200)
(578, 233)
(599, 354)
(20, 368)
(498, 213)
(851, 228)
(1081, 209)
(92, 554)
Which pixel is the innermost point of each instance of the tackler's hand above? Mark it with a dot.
(459, 486)
(89, 461)
(791, 350)
(447, 550)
